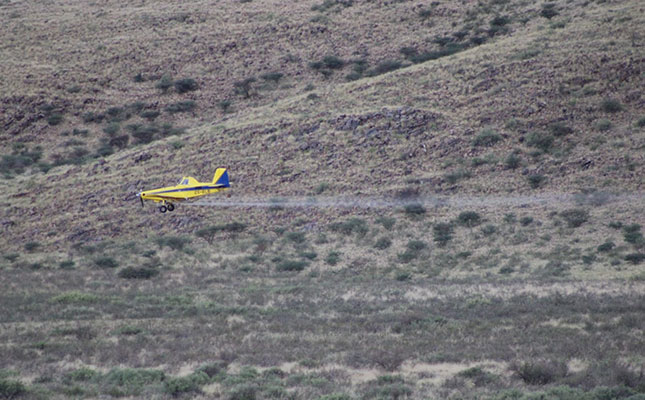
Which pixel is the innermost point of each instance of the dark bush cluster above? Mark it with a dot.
(539, 372)
(355, 226)
(487, 137)
(442, 233)
(138, 273)
(575, 217)
(469, 218)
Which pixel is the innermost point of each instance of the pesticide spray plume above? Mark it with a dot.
(385, 202)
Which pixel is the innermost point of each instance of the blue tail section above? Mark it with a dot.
(221, 178)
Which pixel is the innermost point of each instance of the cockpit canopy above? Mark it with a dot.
(187, 181)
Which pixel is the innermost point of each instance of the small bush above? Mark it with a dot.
(388, 223)
(536, 180)
(174, 242)
(469, 218)
(106, 262)
(383, 243)
(525, 221)
(55, 119)
(635, 258)
(112, 128)
(333, 62)
(292, 265)
(224, 105)
(641, 122)
(164, 83)
(513, 161)
(31, 246)
(605, 247)
(487, 137)
(296, 237)
(150, 115)
(181, 106)
(244, 87)
(559, 129)
(138, 273)
(611, 106)
(416, 245)
(542, 141)
(603, 125)
(442, 233)
(632, 234)
(540, 372)
(575, 217)
(333, 257)
(185, 85)
(455, 176)
(415, 210)
(386, 66)
(548, 10)
(273, 77)
(67, 264)
(355, 226)
(185, 384)
(75, 297)
(10, 389)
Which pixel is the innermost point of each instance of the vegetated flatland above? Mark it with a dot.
(491, 292)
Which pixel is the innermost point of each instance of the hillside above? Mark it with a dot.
(507, 139)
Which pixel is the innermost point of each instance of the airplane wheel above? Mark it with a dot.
(162, 209)
(171, 207)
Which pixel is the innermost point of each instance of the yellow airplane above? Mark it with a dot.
(187, 188)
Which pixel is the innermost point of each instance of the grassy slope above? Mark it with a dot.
(423, 315)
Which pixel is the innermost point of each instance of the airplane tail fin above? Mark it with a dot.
(221, 178)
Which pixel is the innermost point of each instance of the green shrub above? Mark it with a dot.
(442, 233)
(132, 380)
(164, 83)
(540, 140)
(83, 374)
(333, 62)
(455, 176)
(386, 66)
(525, 221)
(333, 257)
(487, 137)
(244, 87)
(185, 85)
(75, 297)
(119, 141)
(641, 122)
(512, 161)
(174, 242)
(605, 247)
(635, 258)
(292, 265)
(31, 246)
(150, 115)
(67, 264)
(560, 129)
(548, 10)
(415, 210)
(469, 218)
(272, 77)
(106, 262)
(112, 128)
(55, 119)
(611, 106)
(138, 273)
(243, 392)
(10, 389)
(355, 226)
(575, 217)
(296, 237)
(632, 234)
(388, 223)
(383, 243)
(224, 105)
(536, 180)
(181, 106)
(539, 372)
(186, 384)
(489, 230)
(143, 134)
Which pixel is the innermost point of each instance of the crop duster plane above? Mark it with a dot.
(187, 188)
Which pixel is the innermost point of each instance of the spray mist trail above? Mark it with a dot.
(457, 201)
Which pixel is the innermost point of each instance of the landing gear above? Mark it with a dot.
(166, 207)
